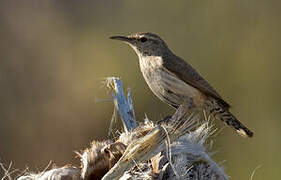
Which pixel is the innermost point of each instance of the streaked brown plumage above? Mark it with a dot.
(176, 82)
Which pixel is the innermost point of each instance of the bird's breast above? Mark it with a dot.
(166, 85)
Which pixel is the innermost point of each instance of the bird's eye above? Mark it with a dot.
(143, 39)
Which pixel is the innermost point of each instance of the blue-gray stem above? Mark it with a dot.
(123, 104)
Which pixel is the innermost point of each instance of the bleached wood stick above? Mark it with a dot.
(123, 104)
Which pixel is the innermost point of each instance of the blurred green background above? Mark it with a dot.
(54, 54)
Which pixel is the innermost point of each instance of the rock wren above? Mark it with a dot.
(176, 82)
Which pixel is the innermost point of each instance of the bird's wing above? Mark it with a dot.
(188, 74)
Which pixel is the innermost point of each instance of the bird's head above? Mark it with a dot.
(145, 44)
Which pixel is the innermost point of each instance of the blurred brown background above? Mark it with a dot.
(54, 54)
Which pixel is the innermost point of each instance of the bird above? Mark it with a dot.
(176, 82)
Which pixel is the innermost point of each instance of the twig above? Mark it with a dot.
(169, 153)
(113, 119)
(6, 171)
(253, 173)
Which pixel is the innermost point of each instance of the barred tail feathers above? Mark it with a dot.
(224, 115)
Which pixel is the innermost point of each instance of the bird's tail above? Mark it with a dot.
(227, 117)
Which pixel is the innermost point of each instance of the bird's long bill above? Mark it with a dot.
(121, 38)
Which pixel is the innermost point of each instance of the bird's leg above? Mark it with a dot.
(188, 103)
(165, 119)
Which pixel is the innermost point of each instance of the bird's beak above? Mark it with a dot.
(121, 38)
